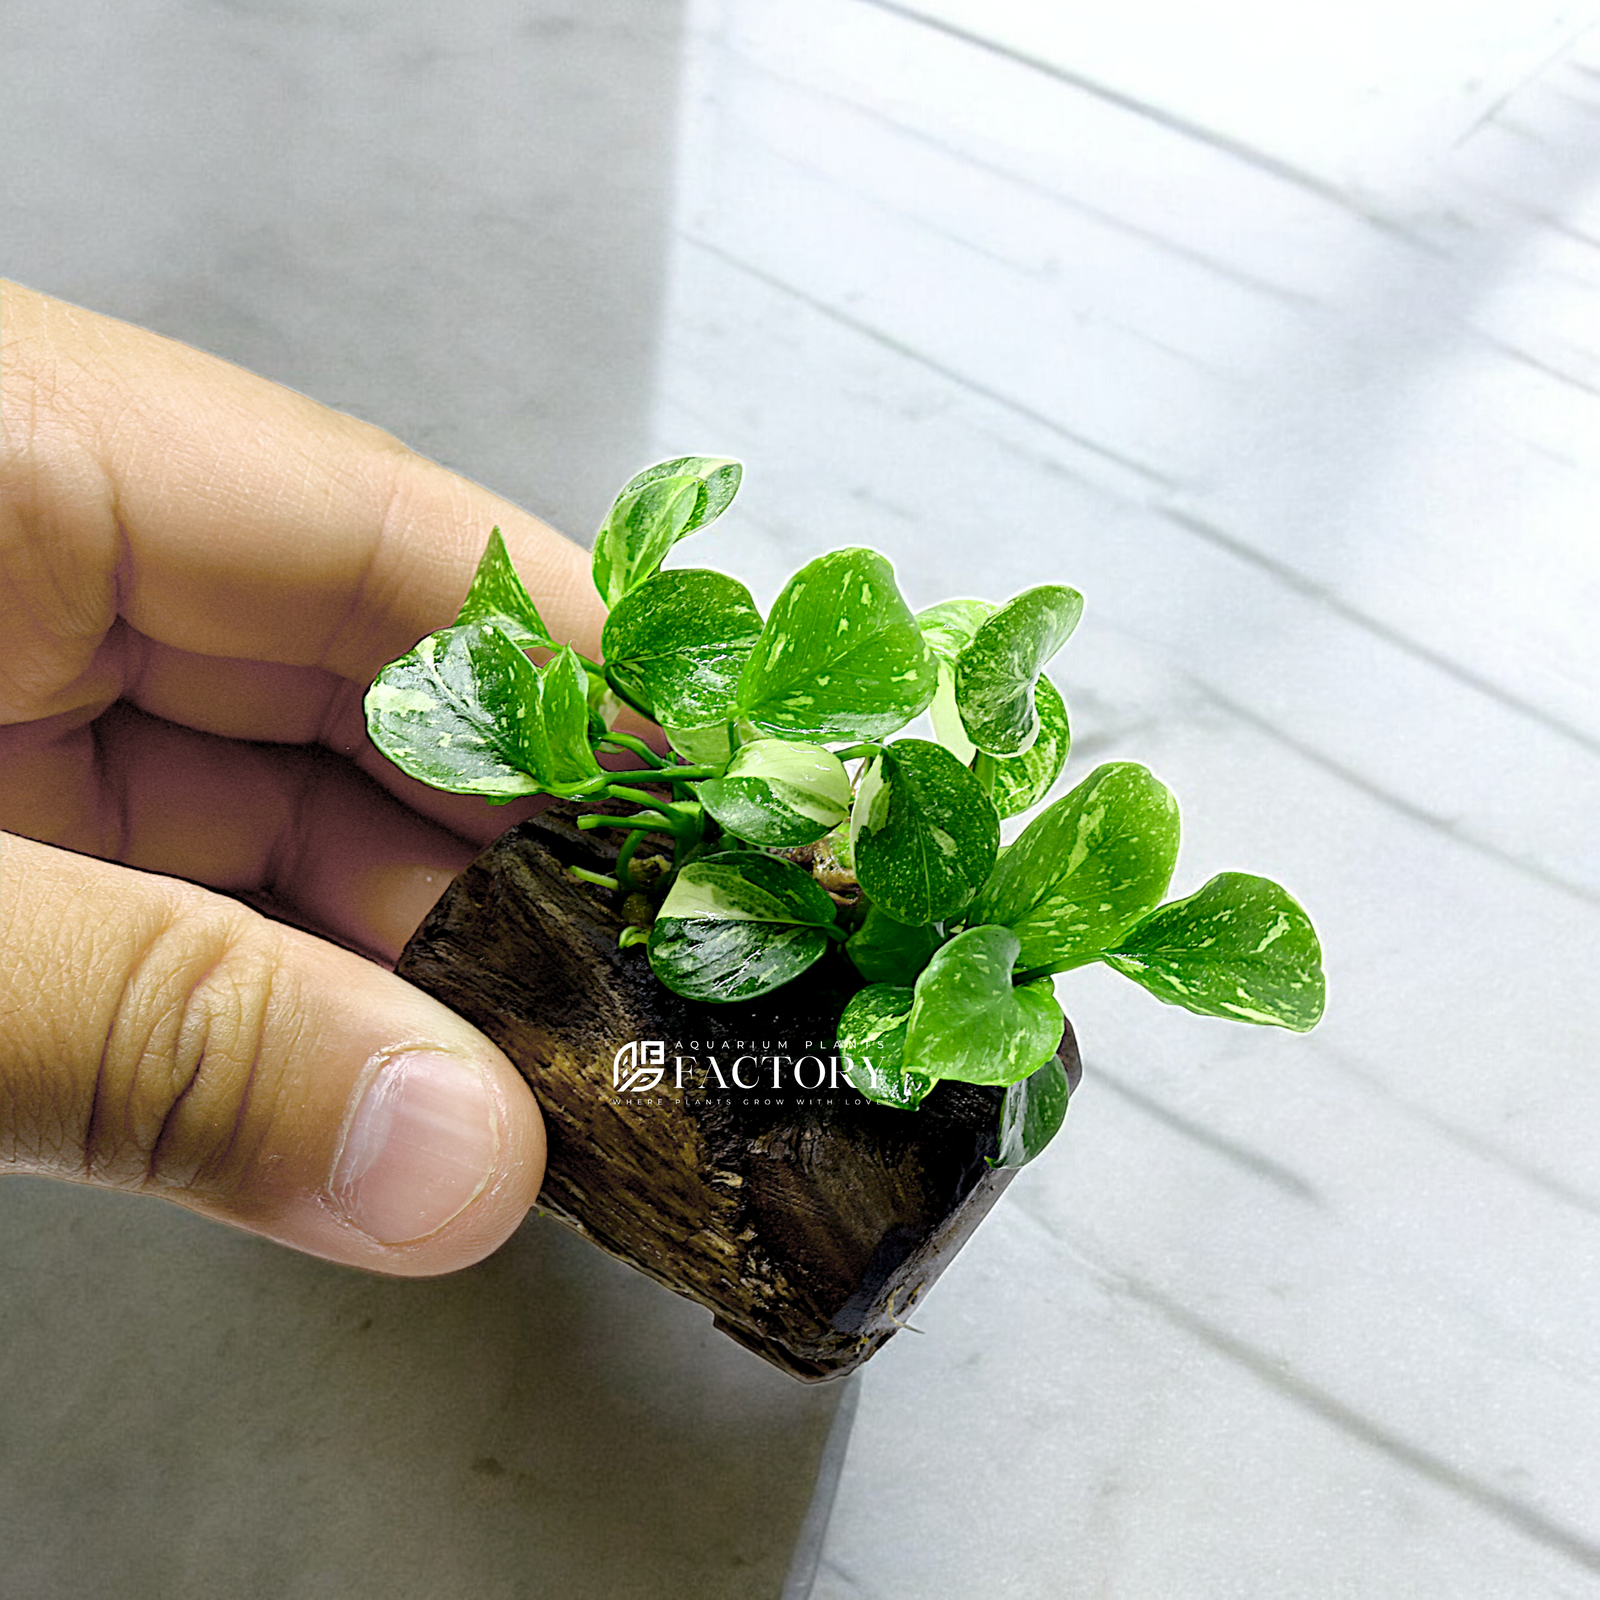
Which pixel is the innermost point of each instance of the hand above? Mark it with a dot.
(200, 573)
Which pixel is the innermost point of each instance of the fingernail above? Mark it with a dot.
(421, 1148)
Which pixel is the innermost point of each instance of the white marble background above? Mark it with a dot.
(1273, 329)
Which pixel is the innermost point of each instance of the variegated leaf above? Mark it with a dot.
(1085, 869)
(738, 924)
(453, 712)
(778, 793)
(676, 645)
(841, 657)
(969, 1021)
(872, 1036)
(1240, 948)
(923, 833)
(996, 673)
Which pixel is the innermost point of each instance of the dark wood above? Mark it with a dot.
(809, 1222)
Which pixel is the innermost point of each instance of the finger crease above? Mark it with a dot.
(349, 626)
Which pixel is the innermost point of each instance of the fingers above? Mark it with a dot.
(157, 1038)
(225, 516)
(302, 826)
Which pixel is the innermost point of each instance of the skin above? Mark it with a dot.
(200, 573)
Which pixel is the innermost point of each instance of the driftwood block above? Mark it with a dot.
(808, 1219)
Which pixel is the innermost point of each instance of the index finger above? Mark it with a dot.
(221, 514)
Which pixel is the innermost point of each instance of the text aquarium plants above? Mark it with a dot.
(803, 831)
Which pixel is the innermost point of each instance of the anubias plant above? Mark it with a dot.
(781, 859)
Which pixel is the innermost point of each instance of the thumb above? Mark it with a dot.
(159, 1038)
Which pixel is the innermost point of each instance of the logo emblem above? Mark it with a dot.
(639, 1066)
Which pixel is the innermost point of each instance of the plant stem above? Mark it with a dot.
(619, 791)
(626, 741)
(661, 816)
(583, 875)
(983, 766)
(856, 751)
(646, 821)
(625, 859)
(603, 781)
(1042, 972)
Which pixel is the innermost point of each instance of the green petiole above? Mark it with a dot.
(625, 859)
(626, 741)
(583, 875)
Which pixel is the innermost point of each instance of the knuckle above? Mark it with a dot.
(176, 1086)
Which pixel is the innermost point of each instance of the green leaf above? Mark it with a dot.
(922, 832)
(1085, 869)
(604, 705)
(676, 646)
(497, 595)
(702, 747)
(776, 793)
(451, 712)
(1021, 782)
(872, 1036)
(563, 732)
(841, 657)
(718, 477)
(948, 627)
(968, 1021)
(655, 510)
(1031, 1114)
(886, 951)
(1241, 948)
(738, 924)
(996, 673)
(948, 728)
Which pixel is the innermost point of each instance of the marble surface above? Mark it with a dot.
(1276, 332)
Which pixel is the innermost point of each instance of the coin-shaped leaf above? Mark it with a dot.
(1021, 782)
(738, 924)
(841, 656)
(676, 645)
(923, 833)
(1031, 1114)
(1240, 948)
(948, 627)
(886, 951)
(777, 792)
(872, 1036)
(657, 508)
(1085, 869)
(996, 673)
(969, 1021)
(452, 712)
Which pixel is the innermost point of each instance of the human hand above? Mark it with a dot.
(200, 572)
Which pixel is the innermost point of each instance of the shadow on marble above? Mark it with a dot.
(192, 1412)
(451, 223)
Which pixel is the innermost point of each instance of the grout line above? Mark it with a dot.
(1105, 452)
(1285, 171)
(1312, 590)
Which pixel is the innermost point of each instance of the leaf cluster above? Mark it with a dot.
(784, 857)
